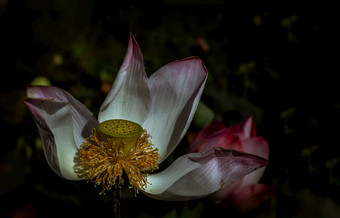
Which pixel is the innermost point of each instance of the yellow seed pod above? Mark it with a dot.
(124, 132)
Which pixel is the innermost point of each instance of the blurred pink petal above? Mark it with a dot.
(248, 127)
(215, 135)
(256, 145)
(242, 138)
(248, 198)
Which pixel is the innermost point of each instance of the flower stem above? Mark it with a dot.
(116, 201)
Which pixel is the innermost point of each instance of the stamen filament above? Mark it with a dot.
(102, 159)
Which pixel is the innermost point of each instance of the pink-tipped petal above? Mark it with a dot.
(54, 121)
(82, 119)
(129, 97)
(197, 175)
(175, 91)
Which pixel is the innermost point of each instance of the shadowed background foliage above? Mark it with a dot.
(271, 62)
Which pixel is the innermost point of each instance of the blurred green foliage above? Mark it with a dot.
(270, 62)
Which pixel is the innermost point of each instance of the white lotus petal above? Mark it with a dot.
(129, 97)
(175, 91)
(54, 120)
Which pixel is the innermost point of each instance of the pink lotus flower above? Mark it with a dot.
(140, 123)
(246, 193)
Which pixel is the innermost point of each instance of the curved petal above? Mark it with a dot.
(54, 121)
(200, 174)
(129, 97)
(83, 119)
(175, 91)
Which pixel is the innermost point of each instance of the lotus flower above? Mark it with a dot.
(246, 193)
(140, 123)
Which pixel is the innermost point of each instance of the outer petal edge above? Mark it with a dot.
(83, 119)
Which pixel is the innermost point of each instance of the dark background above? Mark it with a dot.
(274, 62)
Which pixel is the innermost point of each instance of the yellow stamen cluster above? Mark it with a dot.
(103, 158)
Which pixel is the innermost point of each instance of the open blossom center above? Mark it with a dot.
(118, 146)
